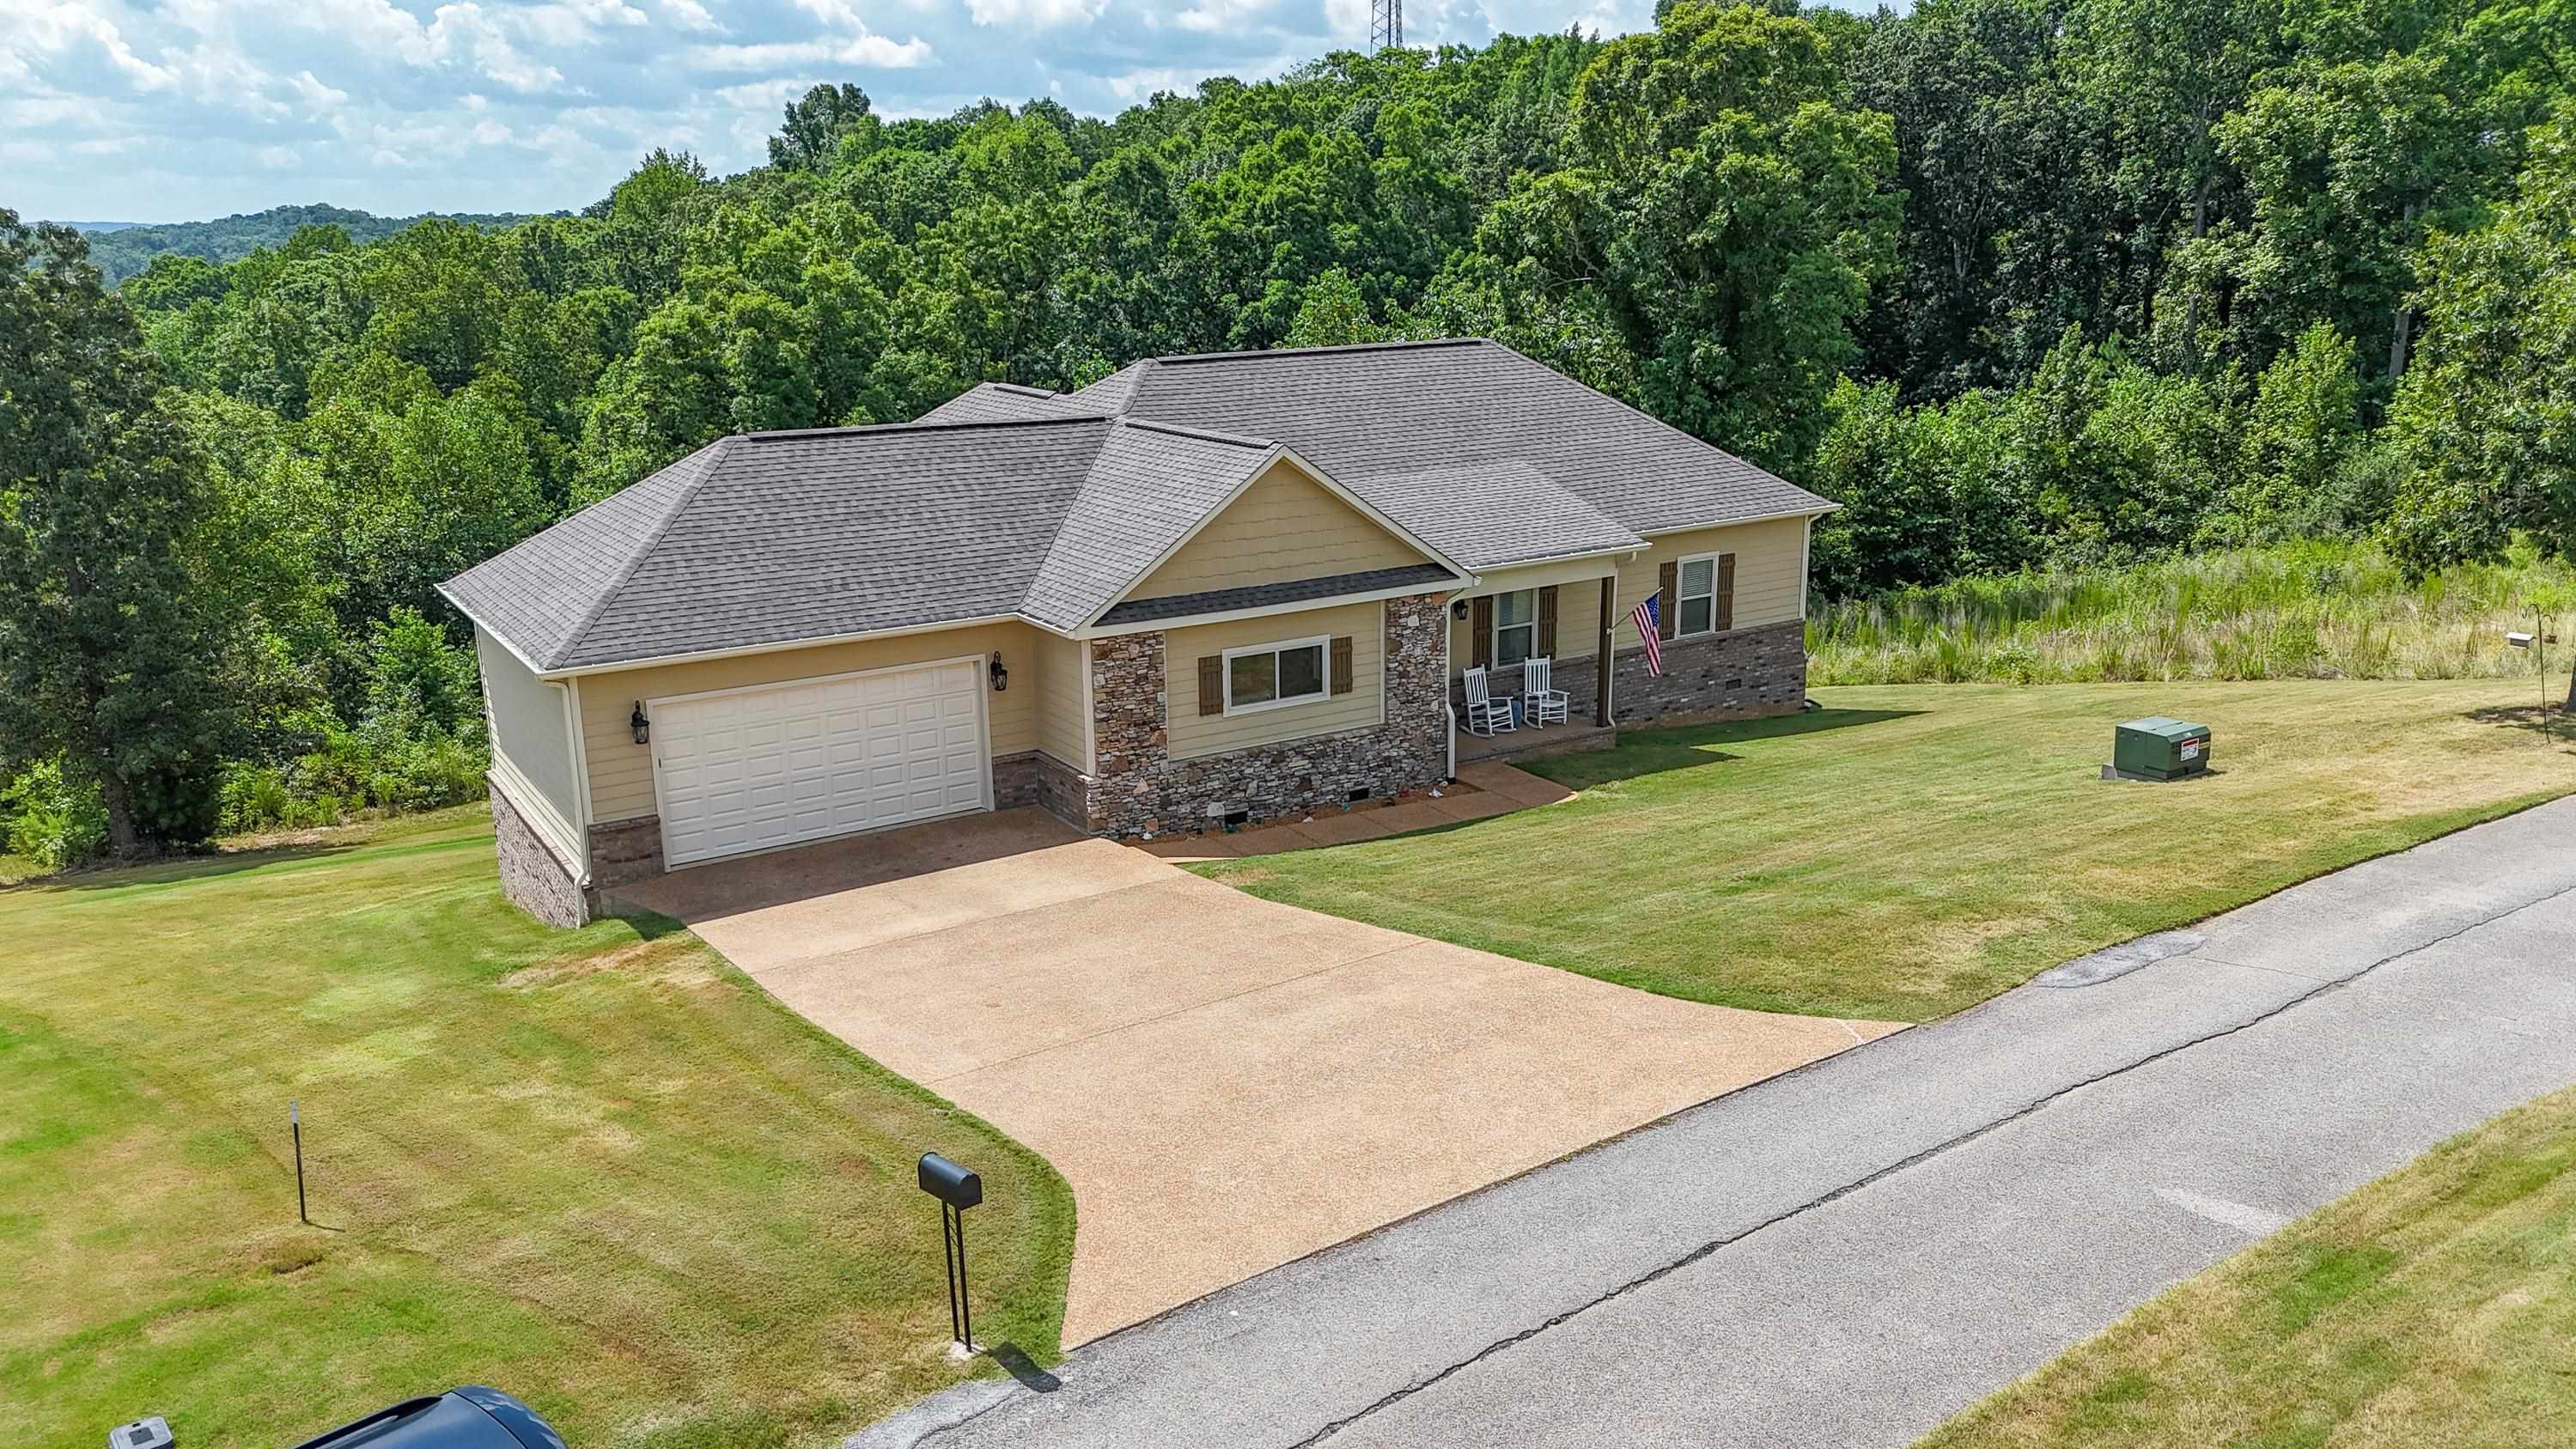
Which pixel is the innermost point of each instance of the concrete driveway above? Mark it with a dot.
(1228, 1084)
(1844, 1257)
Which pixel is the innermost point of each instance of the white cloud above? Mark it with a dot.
(869, 50)
(316, 93)
(1219, 15)
(1035, 14)
(278, 158)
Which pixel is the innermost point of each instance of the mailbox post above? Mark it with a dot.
(957, 1190)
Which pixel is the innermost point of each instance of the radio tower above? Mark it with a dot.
(1386, 25)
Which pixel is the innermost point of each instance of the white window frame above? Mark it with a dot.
(1495, 644)
(1681, 568)
(1322, 643)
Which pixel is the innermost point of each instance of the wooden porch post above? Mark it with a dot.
(1601, 660)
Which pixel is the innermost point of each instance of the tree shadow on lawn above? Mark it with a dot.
(174, 869)
(2552, 724)
(1688, 747)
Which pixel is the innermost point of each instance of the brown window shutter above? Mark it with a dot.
(1211, 684)
(1670, 605)
(1480, 632)
(1547, 621)
(1725, 591)
(1341, 665)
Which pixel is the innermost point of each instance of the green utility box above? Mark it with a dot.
(2158, 748)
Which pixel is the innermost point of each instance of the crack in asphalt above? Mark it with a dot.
(1505, 1344)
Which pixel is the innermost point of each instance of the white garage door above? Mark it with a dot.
(752, 769)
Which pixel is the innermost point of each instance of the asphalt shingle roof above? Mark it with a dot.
(1366, 412)
(1012, 501)
(1520, 513)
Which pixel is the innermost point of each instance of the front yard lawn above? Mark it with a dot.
(599, 1169)
(2432, 1307)
(1912, 850)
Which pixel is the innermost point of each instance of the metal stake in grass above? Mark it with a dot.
(295, 1129)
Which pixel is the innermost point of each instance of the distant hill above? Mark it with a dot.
(123, 248)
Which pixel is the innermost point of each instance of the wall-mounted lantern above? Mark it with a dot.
(639, 726)
(1001, 676)
(1457, 608)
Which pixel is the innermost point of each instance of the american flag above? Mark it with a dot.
(1650, 627)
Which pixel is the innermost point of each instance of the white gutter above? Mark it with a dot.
(1817, 512)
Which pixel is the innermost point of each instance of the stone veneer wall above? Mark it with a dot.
(1747, 672)
(532, 878)
(623, 852)
(1036, 779)
(1139, 788)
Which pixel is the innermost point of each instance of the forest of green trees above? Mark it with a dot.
(126, 250)
(2022, 283)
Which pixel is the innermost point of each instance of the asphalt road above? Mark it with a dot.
(1848, 1254)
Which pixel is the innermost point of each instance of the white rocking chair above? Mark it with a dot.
(1486, 715)
(1547, 704)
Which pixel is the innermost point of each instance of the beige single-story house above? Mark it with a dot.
(1201, 589)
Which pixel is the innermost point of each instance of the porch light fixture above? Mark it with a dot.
(1001, 676)
(639, 726)
(1458, 608)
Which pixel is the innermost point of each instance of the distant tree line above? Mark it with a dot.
(125, 249)
(2019, 282)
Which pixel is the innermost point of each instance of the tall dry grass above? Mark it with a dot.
(2309, 610)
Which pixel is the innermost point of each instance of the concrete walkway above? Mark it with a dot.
(1848, 1254)
(1227, 1083)
(1481, 792)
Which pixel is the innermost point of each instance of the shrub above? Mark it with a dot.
(2308, 610)
(50, 820)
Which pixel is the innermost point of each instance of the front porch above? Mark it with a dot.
(1531, 741)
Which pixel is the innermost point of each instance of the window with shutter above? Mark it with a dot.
(1211, 684)
(1269, 676)
(1515, 627)
(1696, 609)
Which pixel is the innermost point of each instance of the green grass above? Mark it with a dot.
(2433, 1307)
(1910, 851)
(2316, 610)
(600, 1169)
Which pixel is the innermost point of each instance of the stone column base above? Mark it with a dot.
(532, 877)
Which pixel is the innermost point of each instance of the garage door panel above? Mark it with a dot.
(765, 768)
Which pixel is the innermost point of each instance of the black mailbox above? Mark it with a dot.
(950, 1183)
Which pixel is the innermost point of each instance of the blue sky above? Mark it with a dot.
(172, 110)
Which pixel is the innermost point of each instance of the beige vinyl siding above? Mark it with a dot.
(1284, 527)
(1190, 734)
(621, 771)
(529, 730)
(1768, 560)
(1059, 686)
(1578, 620)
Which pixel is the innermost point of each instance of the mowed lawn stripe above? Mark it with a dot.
(2432, 1307)
(599, 1168)
(1910, 851)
